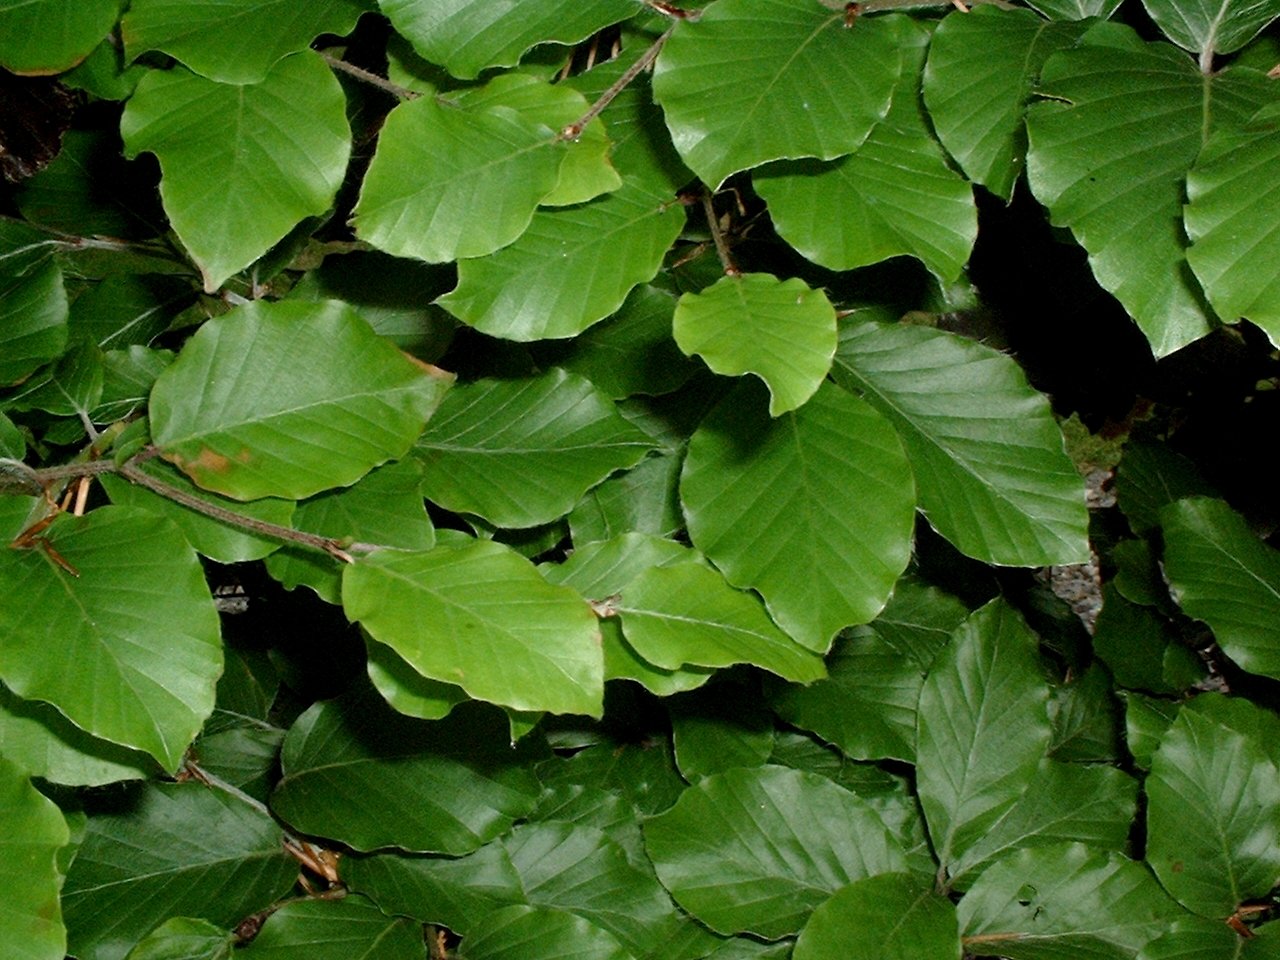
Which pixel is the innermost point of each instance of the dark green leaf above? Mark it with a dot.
(31, 832)
(183, 938)
(127, 379)
(643, 773)
(33, 320)
(644, 499)
(130, 309)
(1141, 648)
(1085, 717)
(408, 691)
(1196, 938)
(889, 917)
(348, 929)
(50, 36)
(243, 756)
(1075, 9)
(1150, 477)
(539, 933)
(720, 727)
(71, 387)
(1206, 27)
(1146, 719)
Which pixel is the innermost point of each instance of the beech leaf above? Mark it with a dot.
(893, 915)
(31, 832)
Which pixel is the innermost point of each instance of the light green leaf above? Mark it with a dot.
(1206, 27)
(49, 36)
(455, 892)
(170, 850)
(896, 195)
(1213, 810)
(348, 929)
(867, 706)
(755, 850)
(46, 744)
(814, 509)
(981, 71)
(183, 938)
(1109, 150)
(358, 772)
(103, 74)
(988, 458)
(383, 507)
(481, 617)
(688, 614)
(1221, 573)
(288, 399)
(888, 917)
(408, 691)
(33, 320)
(1064, 903)
(31, 832)
(779, 330)
(212, 538)
(1231, 221)
(759, 80)
(982, 729)
(466, 36)
(241, 165)
(572, 267)
(234, 41)
(129, 649)
(522, 452)
(1075, 9)
(539, 933)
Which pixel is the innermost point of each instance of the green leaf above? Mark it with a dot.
(71, 387)
(244, 756)
(383, 507)
(688, 614)
(33, 320)
(1109, 151)
(867, 706)
(779, 330)
(466, 36)
(814, 509)
(336, 930)
(1085, 717)
(103, 74)
(895, 196)
(127, 379)
(408, 691)
(982, 70)
(183, 938)
(572, 267)
(722, 726)
(1195, 938)
(481, 617)
(1221, 573)
(1094, 805)
(212, 538)
(237, 41)
(982, 729)
(1141, 648)
(759, 80)
(756, 850)
(456, 893)
(1206, 27)
(988, 458)
(1230, 221)
(539, 933)
(49, 36)
(644, 499)
(1213, 810)
(362, 774)
(241, 164)
(644, 773)
(1150, 477)
(46, 744)
(125, 310)
(1146, 719)
(878, 918)
(288, 399)
(170, 850)
(129, 649)
(1075, 9)
(1064, 903)
(31, 832)
(522, 452)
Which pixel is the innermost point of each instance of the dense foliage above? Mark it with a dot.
(538, 480)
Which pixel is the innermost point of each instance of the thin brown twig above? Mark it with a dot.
(382, 83)
(574, 130)
(717, 235)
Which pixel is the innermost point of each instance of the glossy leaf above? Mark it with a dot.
(408, 691)
(982, 729)
(481, 617)
(1229, 221)
(183, 938)
(1196, 938)
(237, 41)
(356, 771)
(1065, 903)
(644, 499)
(1146, 719)
(50, 36)
(288, 399)
(779, 330)
(134, 656)
(31, 832)
(982, 70)
(241, 164)
(336, 930)
(1213, 810)
(1109, 151)
(756, 850)
(1075, 9)
(539, 933)
(1223, 574)
(522, 452)
(759, 80)
(127, 379)
(572, 267)
(466, 36)
(688, 615)
(170, 850)
(892, 915)
(33, 320)
(989, 466)
(1206, 27)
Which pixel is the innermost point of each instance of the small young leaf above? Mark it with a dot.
(893, 915)
(31, 832)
